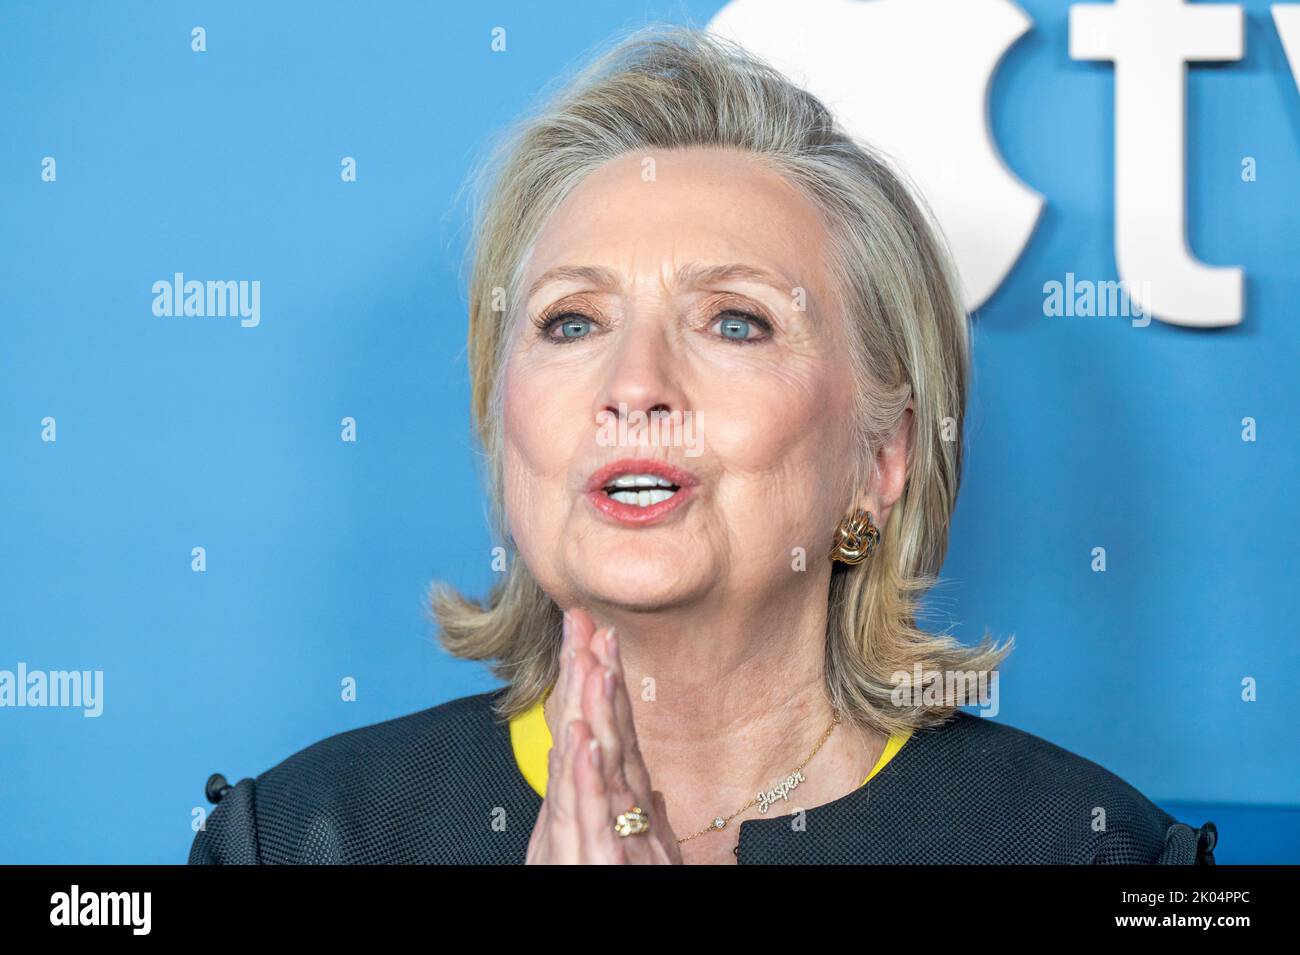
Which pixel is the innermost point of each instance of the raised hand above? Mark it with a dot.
(595, 770)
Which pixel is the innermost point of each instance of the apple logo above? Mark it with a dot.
(919, 94)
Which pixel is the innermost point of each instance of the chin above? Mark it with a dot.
(639, 576)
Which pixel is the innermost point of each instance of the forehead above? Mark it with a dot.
(644, 213)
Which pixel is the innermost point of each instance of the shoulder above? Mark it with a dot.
(457, 728)
(1033, 801)
(388, 792)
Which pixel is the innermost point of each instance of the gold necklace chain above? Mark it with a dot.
(720, 822)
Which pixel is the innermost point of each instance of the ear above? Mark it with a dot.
(893, 461)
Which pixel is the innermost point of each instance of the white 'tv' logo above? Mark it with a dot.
(1150, 42)
(911, 78)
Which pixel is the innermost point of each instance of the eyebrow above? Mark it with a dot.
(603, 279)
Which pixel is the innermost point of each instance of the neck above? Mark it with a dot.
(728, 702)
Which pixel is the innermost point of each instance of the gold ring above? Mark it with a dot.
(634, 822)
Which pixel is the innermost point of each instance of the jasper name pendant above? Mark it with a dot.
(782, 791)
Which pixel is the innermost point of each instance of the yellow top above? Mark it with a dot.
(530, 738)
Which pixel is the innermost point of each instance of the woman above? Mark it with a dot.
(719, 371)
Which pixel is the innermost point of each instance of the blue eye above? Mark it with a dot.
(741, 327)
(575, 327)
(571, 326)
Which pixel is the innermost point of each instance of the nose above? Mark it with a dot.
(641, 374)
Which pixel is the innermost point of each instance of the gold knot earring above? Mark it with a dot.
(855, 538)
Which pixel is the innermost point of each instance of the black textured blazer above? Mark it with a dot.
(442, 786)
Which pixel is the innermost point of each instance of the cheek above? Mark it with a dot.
(519, 426)
(783, 440)
(523, 447)
(538, 438)
(782, 421)
(534, 408)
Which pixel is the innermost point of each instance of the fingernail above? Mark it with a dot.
(593, 752)
(564, 626)
(611, 642)
(609, 683)
(568, 735)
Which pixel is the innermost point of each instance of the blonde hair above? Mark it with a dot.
(670, 87)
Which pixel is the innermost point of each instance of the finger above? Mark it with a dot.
(567, 706)
(582, 625)
(599, 644)
(562, 830)
(579, 628)
(634, 768)
(659, 845)
(568, 703)
(598, 711)
(607, 728)
(537, 840)
(570, 706)
(594, 819)
(630, 780)
(602, 647)
(572, 637)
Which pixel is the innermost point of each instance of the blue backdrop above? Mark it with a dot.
(176, 433)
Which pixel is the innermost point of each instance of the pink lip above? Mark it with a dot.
(631, 514)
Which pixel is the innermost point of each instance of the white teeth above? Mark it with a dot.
(641, 490)
(641, 480)
(642, 498)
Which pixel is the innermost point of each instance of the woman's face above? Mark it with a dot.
(690, 282)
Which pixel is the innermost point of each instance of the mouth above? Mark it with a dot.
(639, 492)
